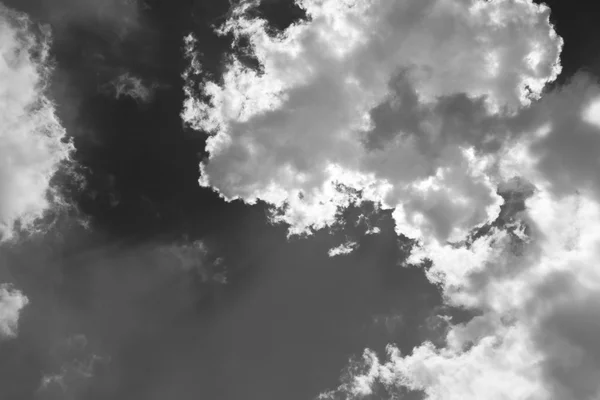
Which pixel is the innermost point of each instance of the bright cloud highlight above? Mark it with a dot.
(32, 143)
(433, 109)
(11, 304)
(294, 132)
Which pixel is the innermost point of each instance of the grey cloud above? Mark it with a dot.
(76, 367)
(568, 336)
(450, 120)
(121, 16)
(568, 154)
(12, 302)
(128, 85)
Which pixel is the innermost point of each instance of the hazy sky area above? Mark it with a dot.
(299, 199)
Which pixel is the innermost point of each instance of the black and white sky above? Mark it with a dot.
(299, 199)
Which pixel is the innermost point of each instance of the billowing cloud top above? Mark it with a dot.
(31, 137)
(370, 71)
(435, 110)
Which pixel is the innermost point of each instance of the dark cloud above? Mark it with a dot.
(119, 16)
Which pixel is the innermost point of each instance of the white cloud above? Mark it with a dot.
(421, 105)
(533, 278)
(343, 249)
(289, 134)
(592, 113)
(539, 309)
(32, 141)
(11, 303)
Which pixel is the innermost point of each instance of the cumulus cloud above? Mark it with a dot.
(293, 134)
(32, 140)
(531, 274)
(435, 110)
(12, 301)
(537, 289)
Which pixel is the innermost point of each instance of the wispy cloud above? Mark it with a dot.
(128, 85)
(77, 369)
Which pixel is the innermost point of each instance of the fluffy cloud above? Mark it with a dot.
(537, 289)
(32, 140)
(292, 132)
(11, 303)
(531, 275)
(433, 109)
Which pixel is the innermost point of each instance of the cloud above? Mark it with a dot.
(121, 16)
(533, 338)
(77, 369)
(343, 249)
(292, 132)
(128, 85)
(80, 327)
(196, 257)
(436, 110)
(531, 275)
(12, 302)
(32, 140)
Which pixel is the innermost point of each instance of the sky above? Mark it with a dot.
(309, 199)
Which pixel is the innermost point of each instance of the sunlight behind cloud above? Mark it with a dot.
(592, 113)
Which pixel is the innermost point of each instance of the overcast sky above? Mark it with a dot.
(278, 199)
